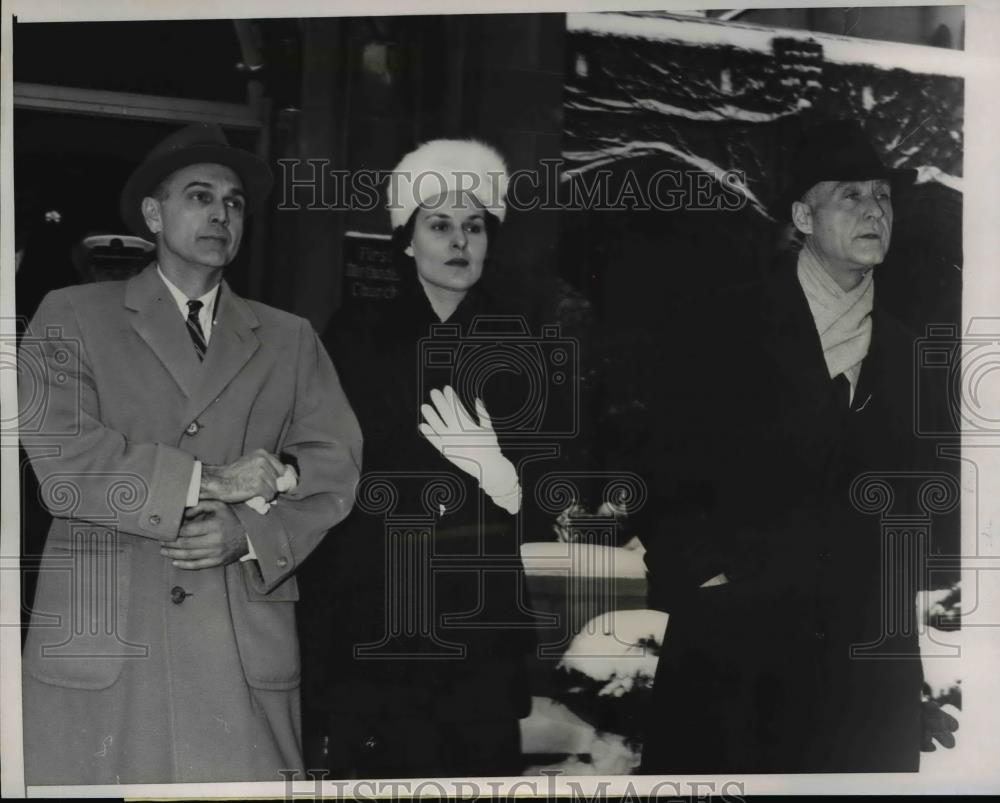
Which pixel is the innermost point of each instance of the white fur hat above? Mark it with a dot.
(442, 166)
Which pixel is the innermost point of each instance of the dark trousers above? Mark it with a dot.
(743, 687)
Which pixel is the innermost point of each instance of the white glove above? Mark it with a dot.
(285, 482)
(471, 446)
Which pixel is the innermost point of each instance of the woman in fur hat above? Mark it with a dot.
(416, 628)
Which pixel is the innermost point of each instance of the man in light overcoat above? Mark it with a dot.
(193, 447)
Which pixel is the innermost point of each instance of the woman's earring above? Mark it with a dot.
(408, 250)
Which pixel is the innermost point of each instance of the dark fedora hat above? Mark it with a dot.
(200, 143)
(838, 150)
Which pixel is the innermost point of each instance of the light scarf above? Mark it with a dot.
(843, 317)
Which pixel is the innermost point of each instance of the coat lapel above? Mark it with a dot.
(871, 367)
(810, 417)
(791, 337)
(232, 343)
(160, 325)
(795, 344)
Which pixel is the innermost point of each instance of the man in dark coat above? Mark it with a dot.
(791, 645)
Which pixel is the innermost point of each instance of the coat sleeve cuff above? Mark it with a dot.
(270, 543)
(160, 517)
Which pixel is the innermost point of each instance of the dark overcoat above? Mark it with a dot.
(807, 660)
(415, 620)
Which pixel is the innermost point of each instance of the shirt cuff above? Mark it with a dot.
(251, 555)
(194, 488)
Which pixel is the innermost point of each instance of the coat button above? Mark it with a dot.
(820, 635)
(282, 563)
(192, 428)
(177, 595)
(154, 520)
(371, 742)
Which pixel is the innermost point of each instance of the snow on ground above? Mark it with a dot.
(940, 654)
(616, 646)
(619, 648)
(553, 728)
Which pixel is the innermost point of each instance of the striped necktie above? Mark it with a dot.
(194, 328)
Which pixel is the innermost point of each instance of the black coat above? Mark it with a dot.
(430, 669)
(757, 675)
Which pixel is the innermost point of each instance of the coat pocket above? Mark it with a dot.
(266, 637)
(77, 638)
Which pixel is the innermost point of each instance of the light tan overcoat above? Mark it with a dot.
(134, 670)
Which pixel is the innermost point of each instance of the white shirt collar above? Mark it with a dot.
(207, 303)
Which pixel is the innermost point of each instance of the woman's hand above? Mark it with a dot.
(471, 445)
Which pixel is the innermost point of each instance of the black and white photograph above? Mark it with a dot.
(588, 402)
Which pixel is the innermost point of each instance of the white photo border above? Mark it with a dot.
(979, 770)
